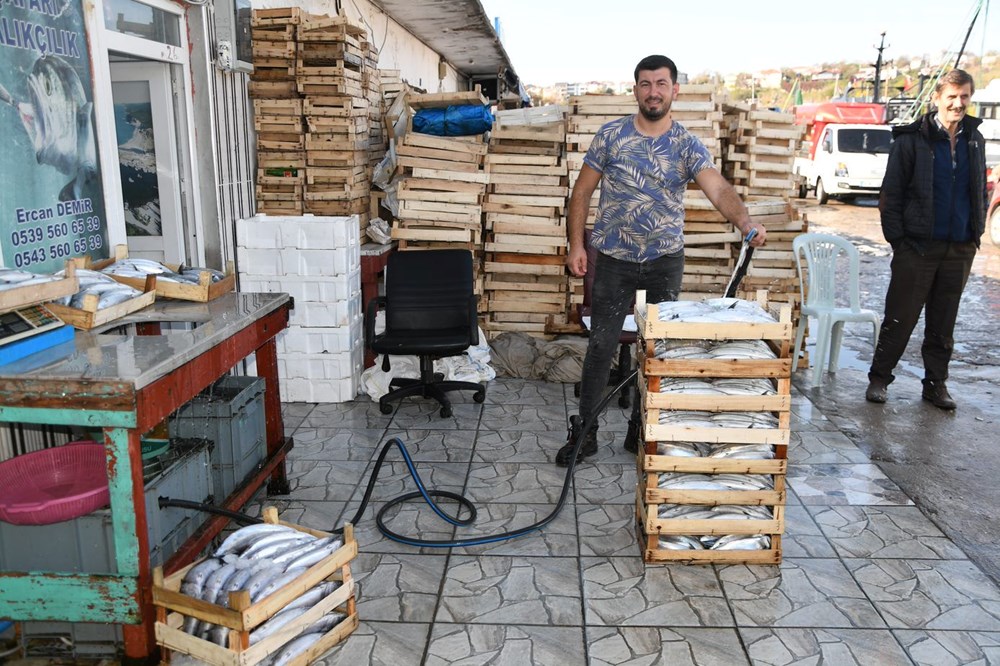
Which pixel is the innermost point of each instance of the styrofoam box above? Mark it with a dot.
(308, 232)
(317, 340)
(339, 313)
(295, 261)
(326, 288)
(319, 390)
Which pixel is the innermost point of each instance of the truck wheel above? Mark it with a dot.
(821, 196)
(803, 190)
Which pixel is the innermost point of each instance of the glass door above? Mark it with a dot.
(147, 155)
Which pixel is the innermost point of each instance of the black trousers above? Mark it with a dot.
(927, 276)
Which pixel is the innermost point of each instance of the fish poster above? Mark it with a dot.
(51, 196)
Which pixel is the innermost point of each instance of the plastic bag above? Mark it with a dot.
(464, 120)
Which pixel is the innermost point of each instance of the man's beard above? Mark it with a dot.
(653, 116)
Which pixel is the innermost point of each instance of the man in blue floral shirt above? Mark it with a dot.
(644, 163)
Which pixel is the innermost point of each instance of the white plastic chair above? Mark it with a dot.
(819, 289)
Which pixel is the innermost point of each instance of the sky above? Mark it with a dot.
(549, 41)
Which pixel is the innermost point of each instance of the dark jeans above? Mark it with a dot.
(930, 276)
(615, 284)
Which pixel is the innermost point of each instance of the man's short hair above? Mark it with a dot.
(957, 78)
(654, 62)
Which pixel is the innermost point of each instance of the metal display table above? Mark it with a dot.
(126, 385)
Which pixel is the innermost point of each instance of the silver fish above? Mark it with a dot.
(262, 578)
(216, 581)
(194, 582)
(325, 623)
(743, 542)
(680, 542)
(59, 121)
(319, 553)
(288, 556)
(276, 543)
(243, 537)
(277, 583)
(294, 648)
(275, 623)
(113, 297)
(313, 595)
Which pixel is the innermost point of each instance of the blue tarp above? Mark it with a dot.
(462, 120)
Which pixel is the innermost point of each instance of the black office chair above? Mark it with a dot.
(625, 340)
(430, 312)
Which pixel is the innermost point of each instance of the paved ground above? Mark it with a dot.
(888, 553)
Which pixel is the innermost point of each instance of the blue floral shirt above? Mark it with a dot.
(641, 211)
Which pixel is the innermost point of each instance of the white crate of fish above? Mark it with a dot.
(99, 299)
(318, 289)
(184, 283)
(272, 591)
(306, 232)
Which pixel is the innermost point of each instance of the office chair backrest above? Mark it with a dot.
(429, 290)
(820, 285)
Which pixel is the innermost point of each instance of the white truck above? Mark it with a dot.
(845, 151)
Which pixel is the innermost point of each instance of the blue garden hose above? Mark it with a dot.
(463, 502)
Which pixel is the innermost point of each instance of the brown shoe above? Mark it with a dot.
(937, 394)
(877, 392)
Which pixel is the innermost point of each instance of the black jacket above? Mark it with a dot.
(907, 199)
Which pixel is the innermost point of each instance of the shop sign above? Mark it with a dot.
(51, 197)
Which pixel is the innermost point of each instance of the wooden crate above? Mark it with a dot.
(22, 297)
(204, 291)
(89, 316)
(650, 526)
(173, 607)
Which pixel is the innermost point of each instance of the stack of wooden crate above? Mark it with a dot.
(277, 112)
(761, 149)
(526, 283)
(650, 497)
(331, 64)
(372, 84)
(698, 107)
(441, 181)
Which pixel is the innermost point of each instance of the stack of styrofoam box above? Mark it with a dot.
(317, 261)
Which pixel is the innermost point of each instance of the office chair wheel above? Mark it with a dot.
(625, 399)
(576, 390)
(479, 396)
(445, 412)
(385, 408)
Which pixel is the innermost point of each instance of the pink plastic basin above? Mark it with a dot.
(53, 485)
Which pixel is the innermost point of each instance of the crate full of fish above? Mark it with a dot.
(185, 283)
(100, 299)
(20, 288)
(713, 319)
(273, 593)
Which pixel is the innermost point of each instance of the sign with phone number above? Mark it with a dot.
(55, 233)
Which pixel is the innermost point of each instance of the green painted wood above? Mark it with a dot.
(77, 417)
(69, 597)
(123, 508)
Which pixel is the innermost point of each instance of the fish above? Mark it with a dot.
(742, 542)
(325, 623)
(277, 622)
(680, 449)
(266, 546)
(193, 583)
(234, 584)
(294, 648)
(289, 555)
(262, 578)
(315, 555)
(313, 595)
(276, 583)
(680, 542)
(59, 122)
(241, 539)
(216, 580)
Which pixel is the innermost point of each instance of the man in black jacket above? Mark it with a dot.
(933, 207)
